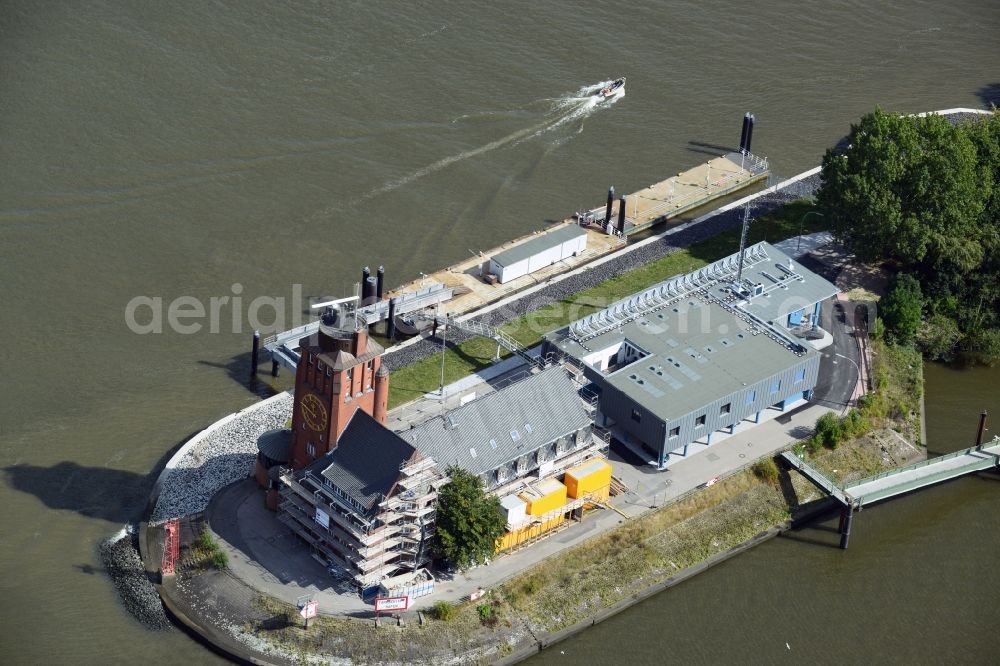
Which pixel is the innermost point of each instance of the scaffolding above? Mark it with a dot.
(392, 541)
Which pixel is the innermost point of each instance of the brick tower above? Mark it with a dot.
(337, 374)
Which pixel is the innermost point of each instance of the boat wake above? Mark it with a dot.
(570, 110)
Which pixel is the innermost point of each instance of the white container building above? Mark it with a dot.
(537, 253)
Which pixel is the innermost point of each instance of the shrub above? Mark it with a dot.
(220, 559)
(829, 430)
(485, 612)
(901, 308)
(767, 471)
(442, 610)
(854, 424)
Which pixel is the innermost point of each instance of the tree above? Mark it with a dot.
(901, 308)
(924, 195)
(468, 521)
(938, 336)
(908, 189)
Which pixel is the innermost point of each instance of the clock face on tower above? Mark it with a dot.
(313, 412)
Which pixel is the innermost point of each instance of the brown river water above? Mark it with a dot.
(236, 150)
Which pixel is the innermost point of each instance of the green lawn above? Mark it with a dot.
(424, 376)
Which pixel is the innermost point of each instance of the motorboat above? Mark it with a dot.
(616, 88)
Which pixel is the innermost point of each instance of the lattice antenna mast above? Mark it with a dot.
(743, 246)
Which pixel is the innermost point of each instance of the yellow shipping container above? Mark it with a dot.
(546, 495)
(592, 477)
(519, 536)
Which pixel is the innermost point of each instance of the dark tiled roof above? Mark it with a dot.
(365, 465)
(480, 436)
(276, 445)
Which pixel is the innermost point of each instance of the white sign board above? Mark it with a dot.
(383, 604)
(322, 518)
(309, 610)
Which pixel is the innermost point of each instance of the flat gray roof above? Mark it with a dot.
(538, 244)
(702, 341)
(690, 365)
(788, 287)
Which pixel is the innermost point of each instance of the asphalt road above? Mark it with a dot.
(838, 369)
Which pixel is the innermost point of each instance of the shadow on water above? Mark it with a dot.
(705, 151)
(990, 94)
(719, 150)
(238, 369)
(114, 495)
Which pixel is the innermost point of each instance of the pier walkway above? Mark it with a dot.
(905, 479)
(898, 481)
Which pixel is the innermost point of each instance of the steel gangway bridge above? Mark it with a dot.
(283, 347)
(858, 494)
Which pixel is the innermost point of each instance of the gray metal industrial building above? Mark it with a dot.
(700, 353)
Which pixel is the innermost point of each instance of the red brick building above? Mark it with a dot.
(339, 372)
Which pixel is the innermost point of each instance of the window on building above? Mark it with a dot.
(675, 432)
(514, 435)
(528, 428)
(329, 372)
(700, 421)
(311, 449)
(775, 386)
(636, 416)
(751, 396)
(800, 375)
(726, 408)
(311, 357)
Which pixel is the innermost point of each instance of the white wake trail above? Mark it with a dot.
(563, 110)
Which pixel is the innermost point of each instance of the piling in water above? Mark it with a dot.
(390, 327)
(255, 354)
(846, 518)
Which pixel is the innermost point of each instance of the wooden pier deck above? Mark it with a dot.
(649, 206)
(687, 190)
(472, 292)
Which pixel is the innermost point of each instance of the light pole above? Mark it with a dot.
(444, 338)
(802, 220)
(855, 364)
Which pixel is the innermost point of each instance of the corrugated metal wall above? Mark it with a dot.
(745, 403)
